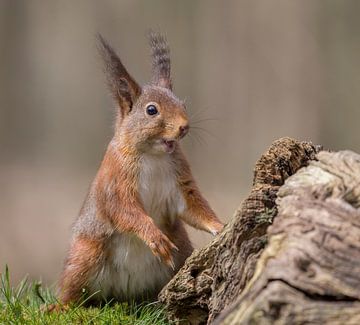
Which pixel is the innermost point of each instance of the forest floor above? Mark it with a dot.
(24, 303)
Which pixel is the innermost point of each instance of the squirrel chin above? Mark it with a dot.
(161, 146)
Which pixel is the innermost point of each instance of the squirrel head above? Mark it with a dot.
(150, 118)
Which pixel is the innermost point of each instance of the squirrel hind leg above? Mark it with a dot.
(84, 259)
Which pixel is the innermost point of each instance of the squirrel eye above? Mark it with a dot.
(151, 110)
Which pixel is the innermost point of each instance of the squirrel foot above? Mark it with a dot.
(54, 308)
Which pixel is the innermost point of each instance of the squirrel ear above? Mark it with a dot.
(161, 60)
(123, 87)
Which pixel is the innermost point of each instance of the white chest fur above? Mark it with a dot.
(158, 188)
(131, 268)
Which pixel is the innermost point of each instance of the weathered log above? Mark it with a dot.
(309, 272)
(216, 275)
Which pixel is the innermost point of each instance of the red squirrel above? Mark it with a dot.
(129, 238)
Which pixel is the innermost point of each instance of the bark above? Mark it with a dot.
(218, 274)
(309, 272)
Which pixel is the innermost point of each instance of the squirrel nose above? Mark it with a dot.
(183, 129)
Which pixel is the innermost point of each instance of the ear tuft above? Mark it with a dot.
(161, 60)
(123, 87)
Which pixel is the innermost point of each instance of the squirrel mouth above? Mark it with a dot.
(169, 145)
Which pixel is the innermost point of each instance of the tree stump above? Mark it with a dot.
(291, 253)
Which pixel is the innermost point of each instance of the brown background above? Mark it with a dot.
(258, 70)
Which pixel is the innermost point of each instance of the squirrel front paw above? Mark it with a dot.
(161, 246)
(215, 228)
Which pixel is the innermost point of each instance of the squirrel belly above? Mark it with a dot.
(130, 272)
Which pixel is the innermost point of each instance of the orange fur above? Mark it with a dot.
(198, 213)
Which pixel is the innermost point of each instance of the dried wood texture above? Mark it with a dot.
(214, 276)
(309, 272)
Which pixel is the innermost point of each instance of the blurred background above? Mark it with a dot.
(250, 71)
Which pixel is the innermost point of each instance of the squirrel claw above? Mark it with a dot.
(171, 264)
